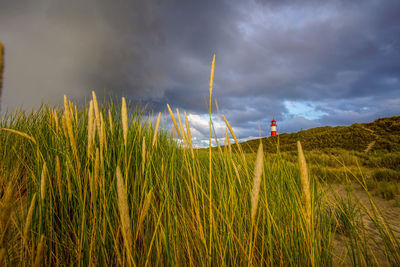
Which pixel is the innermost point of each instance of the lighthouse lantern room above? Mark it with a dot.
(273, 128)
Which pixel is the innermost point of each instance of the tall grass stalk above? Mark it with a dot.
(255, 193)
(156, 129)
(306, 194)
(210, 158)
(124, 215)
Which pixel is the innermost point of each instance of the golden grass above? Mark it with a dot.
(212, 76)
(181, 128)
(39, 252)
(124, 117)
(28, 221)
(210, 158)
(124, 215)
(255, 193)
(5, 212)
(143, 212)
(174, 121)
(169, 208)
(189, 135)
(156, 129)
(68, 121)
(2, 256)
(96, 110)
(20, 134)
(58, 177)
(110, 122)
(43, 182)
(305, 183)
(143, 154)
(90, 127)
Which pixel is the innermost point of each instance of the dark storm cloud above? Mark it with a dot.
(73, 47)
(339, 57)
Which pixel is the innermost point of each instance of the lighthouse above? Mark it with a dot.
(273, 128)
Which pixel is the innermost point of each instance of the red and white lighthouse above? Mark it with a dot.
(273, 128)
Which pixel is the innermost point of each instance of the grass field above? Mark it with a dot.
(98, 187)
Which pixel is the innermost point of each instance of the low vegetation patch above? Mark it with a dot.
(98, 187)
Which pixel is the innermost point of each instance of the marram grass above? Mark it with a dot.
(155, 209)
(78, 189)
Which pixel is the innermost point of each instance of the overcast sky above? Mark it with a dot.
(305, 63)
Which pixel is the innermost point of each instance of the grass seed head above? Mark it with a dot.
(58, 176)
(28, 221)
(64, 126)
(90, 126)
(305, 183)
(68, 122)
(110, 121)
(189, 135)
(174, 121)
(236, 171)
(40, 252)
(212, 76)
(124, 212)
(43, 182)
(55, 116)
(230, 130)
(143, 154)
(181, 126)
(124, 116)
(96, 110)
(20, 134)
(156, 129)
(143, 213)
(102, 134)
(258, 169)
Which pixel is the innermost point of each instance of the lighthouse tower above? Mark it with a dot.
(273, 128)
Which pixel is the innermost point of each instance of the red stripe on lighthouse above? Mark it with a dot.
(273, 128)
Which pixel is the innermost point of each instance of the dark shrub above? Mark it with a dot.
(386, 175)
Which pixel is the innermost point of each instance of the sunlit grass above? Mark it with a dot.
(97, 186)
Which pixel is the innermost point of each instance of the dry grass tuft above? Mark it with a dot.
(5, 212)
(124, 117)
(40, 252)
(43, 182)
(156, 129)
(305, 183)
(174, 121)
(28, 221)
(96, 110)
(255, 194)
(110, 121)
(58, 177)
(143, 213)
(68, 122)
(90, 127)
(124, 213)
(20, 134)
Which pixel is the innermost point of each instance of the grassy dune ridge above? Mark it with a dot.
(337, 154)
(383, 133)
(92, 187)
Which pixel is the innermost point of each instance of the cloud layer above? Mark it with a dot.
(337, 61)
